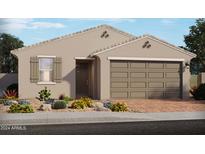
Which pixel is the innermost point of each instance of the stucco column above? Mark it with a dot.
(104, 78)
(186, 81)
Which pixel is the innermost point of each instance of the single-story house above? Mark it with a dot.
(104, 63)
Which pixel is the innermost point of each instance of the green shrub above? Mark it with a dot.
(65, 98)
(2, 101)
(199, 93)
(61, 104)
(78, 104)
(87, 101)
(44, 94)
(17, 108)
(119, 107)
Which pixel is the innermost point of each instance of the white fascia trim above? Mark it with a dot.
(46, 83)
(145, 59)
(84, 58)
(45, 56)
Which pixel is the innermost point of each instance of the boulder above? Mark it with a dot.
(99, 107)
(45, 107)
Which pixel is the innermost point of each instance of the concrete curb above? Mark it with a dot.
(48, 118)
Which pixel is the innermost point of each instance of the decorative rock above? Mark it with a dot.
(45, 107)
(107, 104)
(101, 109)
(98, 104)
(24, 101)
(10, 102)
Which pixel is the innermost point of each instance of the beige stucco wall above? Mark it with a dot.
(78, 45)
(135, 49)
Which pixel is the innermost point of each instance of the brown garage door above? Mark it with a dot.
(145, 79)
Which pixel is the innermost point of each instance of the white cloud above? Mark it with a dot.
(46, 25)
(7, 25)
(168, 21)
(110, 20)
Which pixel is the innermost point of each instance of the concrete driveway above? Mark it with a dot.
(160, 105)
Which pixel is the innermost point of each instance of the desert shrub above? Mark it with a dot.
(199, 93)
(119, 107)
(2, 101)
(13, 86)
(65, 98)
(17, 108)
(61, 104)
(44, 94)
(78, 104)
(24, 101)
(87, 101)
(9, 94)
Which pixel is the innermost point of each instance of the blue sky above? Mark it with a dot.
(35, 30)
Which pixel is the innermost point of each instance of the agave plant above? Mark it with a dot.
(10, 94)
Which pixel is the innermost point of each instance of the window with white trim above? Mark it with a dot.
(46, 69)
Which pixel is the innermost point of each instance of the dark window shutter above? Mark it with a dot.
(34, 69)
(57, 69)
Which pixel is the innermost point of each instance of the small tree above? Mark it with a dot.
(8, 63)
(195, 42)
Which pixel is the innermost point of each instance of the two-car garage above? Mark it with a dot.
(145, 79)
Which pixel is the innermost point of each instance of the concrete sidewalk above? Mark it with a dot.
(93, 117)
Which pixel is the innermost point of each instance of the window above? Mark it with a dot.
(46, 69)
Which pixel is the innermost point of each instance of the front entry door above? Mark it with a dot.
(82, 79)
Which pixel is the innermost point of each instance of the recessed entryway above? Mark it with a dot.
(84, 78)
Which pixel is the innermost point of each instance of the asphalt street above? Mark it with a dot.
(177, 127)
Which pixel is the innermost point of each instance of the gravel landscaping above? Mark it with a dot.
(136, 105)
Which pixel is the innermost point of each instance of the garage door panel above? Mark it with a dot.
(138, 94)
(119, 94)
(119, 80)
(172, 85)
(138, 84)
(119, 75)
(172, 75)
(119, 89)
(176, 66)
(155, 65)
(118, 70)
(138, 80)
(138, 75)
(156, 75)
(155, 94)
(137, 65)
(156, 85)
(119, 65)
(171, 94)
(119, 85)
